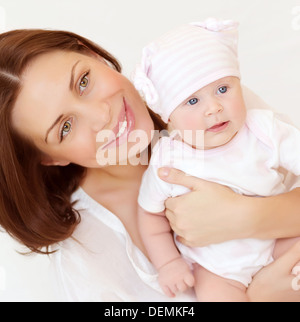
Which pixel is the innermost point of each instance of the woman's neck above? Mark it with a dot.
(112, 177)
(116, 188)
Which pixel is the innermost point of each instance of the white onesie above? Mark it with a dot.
(250, 164)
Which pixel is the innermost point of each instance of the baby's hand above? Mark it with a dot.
(175, 276)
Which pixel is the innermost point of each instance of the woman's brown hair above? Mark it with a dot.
(35, 206)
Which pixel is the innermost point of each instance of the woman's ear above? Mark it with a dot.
(62, 163)
(48, 161)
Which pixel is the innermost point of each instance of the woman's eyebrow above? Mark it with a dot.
(52, 127)
(72, 75)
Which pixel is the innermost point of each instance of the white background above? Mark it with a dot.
(269, 55)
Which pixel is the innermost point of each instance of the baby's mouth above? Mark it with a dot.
(218, 127)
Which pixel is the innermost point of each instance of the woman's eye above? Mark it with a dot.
(193, 101)
(222, 89)
(66, 129)
(83, 83)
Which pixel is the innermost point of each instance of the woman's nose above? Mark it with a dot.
(100, 116)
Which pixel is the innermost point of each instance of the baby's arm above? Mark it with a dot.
(174, 273)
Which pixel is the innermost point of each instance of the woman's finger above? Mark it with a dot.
(172, 203)
(174, 228)
(170, 214)
(185, 242)
(176, 176)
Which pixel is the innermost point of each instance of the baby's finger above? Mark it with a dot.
(190, 280)
(168, 292)
(182, 286)
(174, 289)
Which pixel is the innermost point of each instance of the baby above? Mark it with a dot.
(191, 78)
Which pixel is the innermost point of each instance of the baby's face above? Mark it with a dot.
(216, 112)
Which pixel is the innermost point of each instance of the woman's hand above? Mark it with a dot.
(280, 281)
(210, 213)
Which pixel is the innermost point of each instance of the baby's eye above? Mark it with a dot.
(193, 101)
(222, 89)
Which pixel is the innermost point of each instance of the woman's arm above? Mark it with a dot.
(276, 216)
(212, 213)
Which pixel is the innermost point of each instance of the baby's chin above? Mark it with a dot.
(218, 142)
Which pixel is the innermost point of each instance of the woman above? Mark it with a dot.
(58, 91)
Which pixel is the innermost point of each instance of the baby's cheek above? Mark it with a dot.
(189, 123)
(197, 126)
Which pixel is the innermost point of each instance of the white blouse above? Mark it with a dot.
(101, 263)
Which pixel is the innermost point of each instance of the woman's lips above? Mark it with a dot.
(122, 130)
(121, 121)
(218, 127)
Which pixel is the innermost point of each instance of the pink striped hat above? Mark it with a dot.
(184, 60)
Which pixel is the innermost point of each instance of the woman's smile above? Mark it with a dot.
(98, 116)
(121, 131)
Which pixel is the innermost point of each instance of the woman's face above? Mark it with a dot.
(77, 109)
